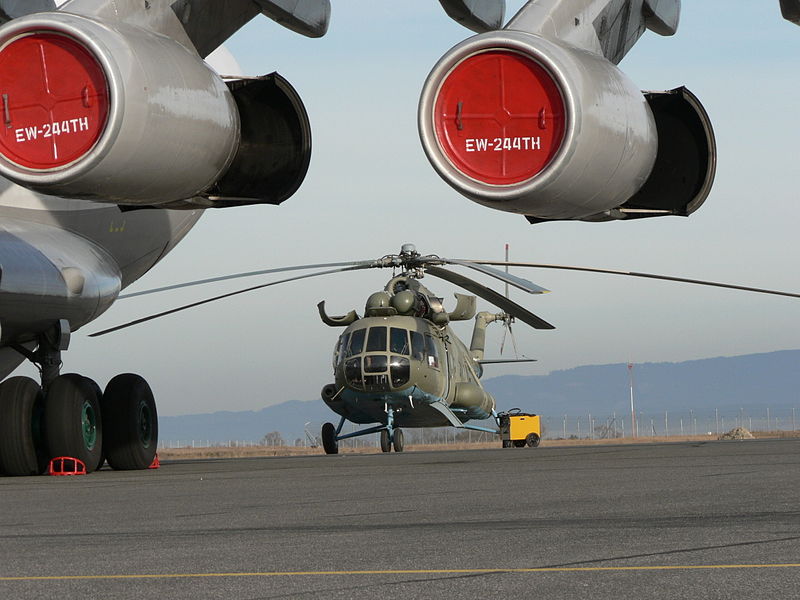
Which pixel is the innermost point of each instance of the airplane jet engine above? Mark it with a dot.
(526, 124)
(115, 113)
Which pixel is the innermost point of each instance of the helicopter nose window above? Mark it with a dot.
(400, 369)
(356, 342)
(398, 341)
(376, 342)
(352, 371)
(417, 345)
(375, 363)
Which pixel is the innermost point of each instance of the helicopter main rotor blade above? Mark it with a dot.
(517, 282)
(500, 301)
(223, 296)
(360, 263)
(500, 361)
(730, 286)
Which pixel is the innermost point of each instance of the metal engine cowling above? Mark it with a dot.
(112, 113)
(525, 124)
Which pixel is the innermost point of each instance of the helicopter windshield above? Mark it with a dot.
(385, 362)
(356, 342)
(376, 341)
(398, 341)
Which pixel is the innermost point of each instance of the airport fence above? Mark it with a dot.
(689, 422)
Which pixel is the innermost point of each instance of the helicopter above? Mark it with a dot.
(400, 365)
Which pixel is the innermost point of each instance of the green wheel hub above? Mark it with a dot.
(89, 425)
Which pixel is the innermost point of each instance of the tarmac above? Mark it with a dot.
(707, 519)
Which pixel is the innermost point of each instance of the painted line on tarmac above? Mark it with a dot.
(397, 572)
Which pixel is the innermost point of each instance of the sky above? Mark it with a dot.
(370, 189)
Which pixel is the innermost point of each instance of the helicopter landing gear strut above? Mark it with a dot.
(390, 435)
(65, 414)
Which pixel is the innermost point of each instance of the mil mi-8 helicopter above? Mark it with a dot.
(401, 365)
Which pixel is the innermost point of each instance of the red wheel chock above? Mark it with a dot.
(155, 464)
(66, 465)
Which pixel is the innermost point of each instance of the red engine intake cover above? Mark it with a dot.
(55, 101)
(499, 117)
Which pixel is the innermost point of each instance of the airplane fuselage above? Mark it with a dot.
(69, 259)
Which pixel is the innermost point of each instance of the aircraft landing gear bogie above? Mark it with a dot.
(69, 415)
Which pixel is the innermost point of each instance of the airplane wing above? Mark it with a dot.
(207, 24)
(607, 27)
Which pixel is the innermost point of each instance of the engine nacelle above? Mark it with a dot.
(525, 124)
(116, 113)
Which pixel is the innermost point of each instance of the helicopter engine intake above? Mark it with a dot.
(535, 126)
(111, 112)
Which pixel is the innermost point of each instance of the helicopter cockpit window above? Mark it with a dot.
(376, 341)
(433, 355)
(417, 345)
(352, 371)
(398, 341)
(375, 363)
(344, 341)
(356, 342)
(400, 370)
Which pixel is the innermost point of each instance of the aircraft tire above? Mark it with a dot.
(386, 441)
(72, 420)
(329, 442)
(397, 440)
(130, 422)
(532, 440)
(22, 446)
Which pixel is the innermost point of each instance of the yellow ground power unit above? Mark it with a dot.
(519, 429)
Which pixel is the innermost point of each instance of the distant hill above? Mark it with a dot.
(751, 381)
(735, 386)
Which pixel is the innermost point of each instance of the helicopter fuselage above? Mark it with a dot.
(420, 370)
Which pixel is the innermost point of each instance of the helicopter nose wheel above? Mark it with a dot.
(395, 439)
(386, 441)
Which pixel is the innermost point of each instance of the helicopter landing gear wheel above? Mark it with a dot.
(532, 440)
(72, 420)
(397, 440)
(130, 423)
(22, 447)
(386, 441)
(329, 439)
